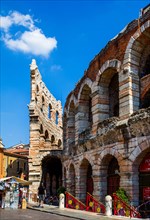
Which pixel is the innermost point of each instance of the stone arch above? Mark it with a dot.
(46, 135)
(136, 158)
(84, 112)
(136, 45)
(59, 143)
(71, 123)
(86, 179)
(51, 168)
(87, 82)
(107, 177)
(41, 129)
(72, 99)
(52, 139)
(108, 87)
(132, 63)
(88, 158)
(114, 63)
(71, 176)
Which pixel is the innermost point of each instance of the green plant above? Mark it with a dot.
(60, 190)
(121, 193)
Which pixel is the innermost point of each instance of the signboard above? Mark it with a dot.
(145, 165)
(146, 193)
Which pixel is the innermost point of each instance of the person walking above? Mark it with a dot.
(41, 194)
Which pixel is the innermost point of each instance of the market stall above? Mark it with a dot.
(12, 190)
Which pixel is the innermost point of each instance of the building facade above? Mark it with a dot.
(14, 161)
(45, 136)
(106, 123)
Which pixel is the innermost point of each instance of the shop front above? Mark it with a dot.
(12, 191)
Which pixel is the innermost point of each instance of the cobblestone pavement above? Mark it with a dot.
(28, 214)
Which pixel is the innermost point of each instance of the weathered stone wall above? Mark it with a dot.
(100, 134)
(45, 126)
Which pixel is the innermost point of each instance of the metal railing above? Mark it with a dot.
(74, 203)
(93, 205)
(123, 209)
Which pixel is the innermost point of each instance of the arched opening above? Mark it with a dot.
(71, 124)
(72, 180)
(147, 66)
(57, 117)
(145, 101)
(85, 110)
(89, 184)
(113, 179)
(144, 75)
(46, 135)
(52, 139)
(37, 89)
(144, 185)
(109, 93)
(49, 111)
(51, 174)
(41, 129)
(86, 181)
(114, 96)
(59, 143)
(43, 104)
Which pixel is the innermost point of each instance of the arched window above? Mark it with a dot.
(49, 111)
(52, 139)
(43, 100)
(59, 143)
(41, 129)
(57, 117)
(37, 89)
(43, 104)
(46, 135)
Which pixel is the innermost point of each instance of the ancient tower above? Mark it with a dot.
(45, 114)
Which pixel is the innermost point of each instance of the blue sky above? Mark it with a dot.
(63, 37)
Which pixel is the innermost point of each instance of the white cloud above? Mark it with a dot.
(56, 68)
(5, 22)
(32, 40)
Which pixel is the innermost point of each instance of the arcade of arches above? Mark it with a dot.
(51, 174)
(105, 143)
(106, 120)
